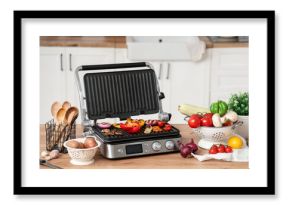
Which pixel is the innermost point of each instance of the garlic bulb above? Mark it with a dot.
(44, 153)
(54, 154)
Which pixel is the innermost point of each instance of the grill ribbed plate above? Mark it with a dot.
(121, 94)
(138, 136)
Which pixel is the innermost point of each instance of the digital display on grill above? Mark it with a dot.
(134, 149)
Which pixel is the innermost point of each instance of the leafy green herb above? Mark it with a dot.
(239, 103)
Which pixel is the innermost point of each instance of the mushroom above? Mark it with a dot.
(232, 116)
(216, 120)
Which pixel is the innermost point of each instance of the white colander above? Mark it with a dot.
(213, 135)
(84, 156)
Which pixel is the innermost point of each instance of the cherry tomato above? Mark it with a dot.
(160, 123)
(214, 146)
(228, 149)
(213, 151)
(221, 148)
(194, 121)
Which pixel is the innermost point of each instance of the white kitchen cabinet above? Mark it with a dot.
(229, 72)
(57, 78)
(121, 56)
(52, 79)
(186, 82)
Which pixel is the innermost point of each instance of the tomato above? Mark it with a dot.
(221, 148)
(206, 121)
(160, 123)
(228, 149)
(207, 115)
(213, 149)
(198, 115)
(167, 127)
(194, 121)
(228, 123)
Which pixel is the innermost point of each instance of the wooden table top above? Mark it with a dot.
(162, 161)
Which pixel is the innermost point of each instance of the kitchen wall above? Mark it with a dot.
(222, 70)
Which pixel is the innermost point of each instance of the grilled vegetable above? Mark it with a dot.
(189, 110)
(167, 127)
(141, 122)
(156, 129)
(104, 125)
(109, 132)
(151, 122)
(161, 123)
(131, 127)
(148, 130)
(116, 125)
(134, 129)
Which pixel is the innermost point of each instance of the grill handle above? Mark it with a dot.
(113, 66)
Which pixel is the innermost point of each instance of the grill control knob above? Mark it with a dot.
(169, 145)
(156, 146)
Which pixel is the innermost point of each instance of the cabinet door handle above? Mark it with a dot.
(160, 71)
(70, 67)
(168, 71)
(61, 63)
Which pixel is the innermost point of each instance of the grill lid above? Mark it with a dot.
(121, 94)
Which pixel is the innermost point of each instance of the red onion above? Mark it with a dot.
(184, 150)
(151, 122)
(104, 125)
(192, 146)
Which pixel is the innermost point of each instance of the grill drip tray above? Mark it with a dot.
(130, 145)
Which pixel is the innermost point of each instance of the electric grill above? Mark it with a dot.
(121, 91)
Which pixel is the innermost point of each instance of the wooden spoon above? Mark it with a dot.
(70, 115)
(60, 127)
(54, 109)
(60, 116)
(66, 105)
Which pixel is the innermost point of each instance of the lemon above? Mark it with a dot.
(235, 142)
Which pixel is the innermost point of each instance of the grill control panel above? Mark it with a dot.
(129, 149)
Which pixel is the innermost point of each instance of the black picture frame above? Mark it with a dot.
(268, 190)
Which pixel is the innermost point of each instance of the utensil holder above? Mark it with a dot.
(56, 135)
